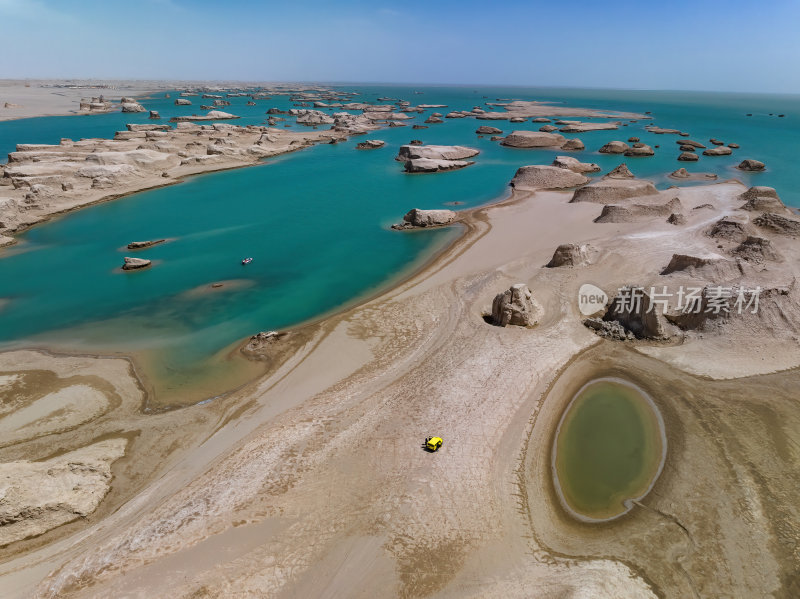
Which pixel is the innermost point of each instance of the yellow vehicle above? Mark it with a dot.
(433, 443)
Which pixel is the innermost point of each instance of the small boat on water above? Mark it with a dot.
(247, 261)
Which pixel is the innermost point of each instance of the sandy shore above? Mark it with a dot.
(312, 481)
(22, 99)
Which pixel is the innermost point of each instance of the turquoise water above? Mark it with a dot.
(316, 221)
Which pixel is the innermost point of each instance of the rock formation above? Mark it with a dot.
(573, 144)
(575, 165)
(578, 127)
(417, 218)
(636, 316)
(639, 149)
(571, 254)
(718, 151)
(778, 224)
(487, 130)
(621, 172)
(515, 306)
(132, 107)
(676, 218)
(689, 142)
(727, 229)
(688, 157)
(615, 147)
(532, 139)
(139, 245)
(756, 249)
(609, 329)
(751, 165)
(609, 191)
(370, 144)
(630, 213)
(682, 173)
(433, 165)
(135, 263)
(262, 341)
(182, 102)
(760, 198)
(546, 177)
(213, 115)
(409, 152)
(39, 496)
(685, 262)
(311, 117)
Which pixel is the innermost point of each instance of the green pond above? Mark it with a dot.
(609, 449)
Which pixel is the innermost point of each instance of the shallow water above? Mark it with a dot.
(609, 449)
(316, 221)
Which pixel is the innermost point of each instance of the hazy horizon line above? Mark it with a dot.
(395, 84)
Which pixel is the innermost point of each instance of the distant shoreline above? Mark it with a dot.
(34, 100)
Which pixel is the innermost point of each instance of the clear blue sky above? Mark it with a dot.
(731, 45)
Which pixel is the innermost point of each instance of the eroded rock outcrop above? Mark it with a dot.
(546, 177)
(718, 151)
(631, 308)
(370, 144)
(410, 152)
(132, 107)
(751, 165)
(573, 144)
(620, 172)
(140, 245)
(639, 149)
(311, 117)
(571, 254)
(689, 142)
(609, 190)
(135, 263)
(762, 199)
(532, 139)
(756, 249)
(262, 342)
(778, 224)
(727, 229)
(630, 213)
(692, 264)
(579, 127)
(515, 306)
(38, 496)
(420, 219)
(433, 165)
(575, 165)
(608, 329)
(682, 173)
(615, 147)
